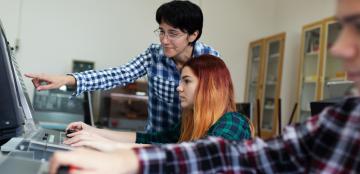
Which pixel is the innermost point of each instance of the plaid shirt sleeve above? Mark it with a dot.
(113, 77)
(231, 126)
(328, 143)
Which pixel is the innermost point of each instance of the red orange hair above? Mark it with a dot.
(214, 97)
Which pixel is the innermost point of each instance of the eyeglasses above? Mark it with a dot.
(171, 35)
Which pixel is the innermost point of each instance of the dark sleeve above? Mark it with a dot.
(171, 136)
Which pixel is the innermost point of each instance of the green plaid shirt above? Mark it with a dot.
(231, 126)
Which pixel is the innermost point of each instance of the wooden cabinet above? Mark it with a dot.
(263, 82)
(321, 75)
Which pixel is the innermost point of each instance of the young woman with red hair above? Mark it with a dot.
(208, 109)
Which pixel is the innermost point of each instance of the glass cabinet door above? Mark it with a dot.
(253, 75)
(254, 71)
(335, 81)
(264, 81)
(310, 70)
(270, 83)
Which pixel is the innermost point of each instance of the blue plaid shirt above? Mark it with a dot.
(163, 78)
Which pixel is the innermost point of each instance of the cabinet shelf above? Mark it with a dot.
(256, 59)
(269, 107)
(270, 83)
(305, 110)
(253, 83)
(310, 81)
(274, 56)
(312, 54)
(339, 82)
(335, 78)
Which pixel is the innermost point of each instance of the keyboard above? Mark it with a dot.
(49, 136)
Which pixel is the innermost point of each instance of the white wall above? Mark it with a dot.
(107, 32)
(53, 33)
(110, 32)
(229, 27)
(9, 15)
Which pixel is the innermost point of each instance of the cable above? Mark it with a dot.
(279, 116)
(20, 17)
(258, 117)
(292, 114)
(45, 137)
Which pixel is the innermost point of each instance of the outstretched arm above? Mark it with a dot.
(51, 81)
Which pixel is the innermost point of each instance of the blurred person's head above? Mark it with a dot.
(347, 45)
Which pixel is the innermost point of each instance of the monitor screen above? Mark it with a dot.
(88, 109)
(317, 107)
(244, 108)
(11, 112)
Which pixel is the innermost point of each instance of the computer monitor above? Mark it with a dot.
(244, 108)
(88, 109)
(11, 111)
(317, 107)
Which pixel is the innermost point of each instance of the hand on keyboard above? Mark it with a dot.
(69, 131)
(78, 126)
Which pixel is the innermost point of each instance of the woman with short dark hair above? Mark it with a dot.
(180, 27)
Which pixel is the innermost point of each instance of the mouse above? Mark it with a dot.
(63, 169)
(69, 131)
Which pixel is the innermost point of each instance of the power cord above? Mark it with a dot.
(45, 138)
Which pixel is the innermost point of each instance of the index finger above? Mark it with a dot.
(30, 75)
(76, 133)
(74, 125)
(36, 82)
